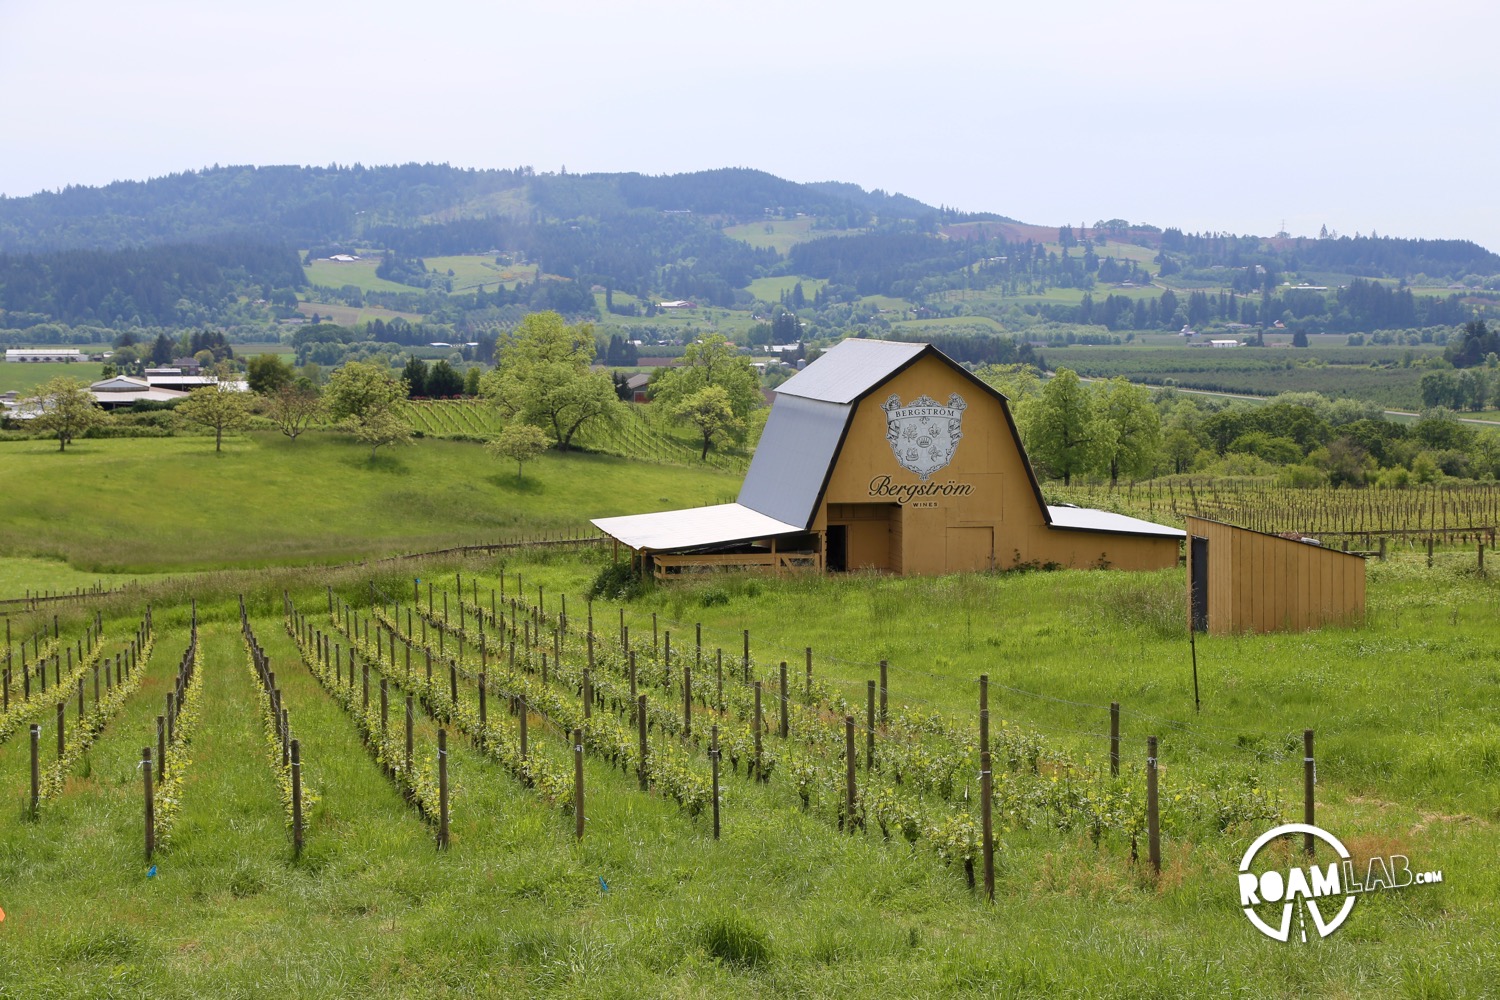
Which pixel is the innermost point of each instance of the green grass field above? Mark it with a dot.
(359, 273)
(20, 377)
(649, 903)
(771, 289)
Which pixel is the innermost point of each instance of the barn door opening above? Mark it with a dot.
(1198, 567)
(837, 557)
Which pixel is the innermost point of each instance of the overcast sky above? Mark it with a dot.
(1209, 116)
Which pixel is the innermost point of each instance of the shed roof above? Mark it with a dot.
(794, 457)
(850, 369)
(1087, 519)
(695, 527)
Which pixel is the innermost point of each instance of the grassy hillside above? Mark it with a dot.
(172, 504)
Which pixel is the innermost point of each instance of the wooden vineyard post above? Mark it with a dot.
(578, 782)
(869, 725)
(849, 773)
(1153, 819)
(1114, 739)
(80, 701)
(1481, 558)
(640, 724)
(62, 722)
(523, 712)
(483, 710)
(407, 759)
(286, 734)
(713, 757)
(986, 790)
(1309, 777)
(161, 742)
(364, 674)
(687, 702)
(588, 694)
(884, 691)
(785, 727)
(297, 793)
(698, 647)
(453, 684)
(150, 802)
(1429, 552)
(385, 710)
(632, 685)
(442, 837)
(36, 770)
(759, 725)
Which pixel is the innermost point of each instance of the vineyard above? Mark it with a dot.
(637, 433)
(1447, 514)
(723, 772)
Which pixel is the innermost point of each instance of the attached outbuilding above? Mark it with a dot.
(891, 457)
(1240, 580)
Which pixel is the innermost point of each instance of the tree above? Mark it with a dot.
(712, 362)
(63, 406)
(1136, 441)
(1065, 430)
(415, 374)
(294, 407)
(443, 382)
(472, 375)
(520, 443)
(363, 397)
(1299, 339)
(218, 407)
(161, 349)
(543, 377)
(710, 412)
(268, 374)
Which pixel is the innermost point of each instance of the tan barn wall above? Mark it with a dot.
(1264, 583)
(997, 522)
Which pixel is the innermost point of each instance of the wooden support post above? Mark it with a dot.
(453, 684)
(80, 701)
(759, 726)
(719, 679)
(364, 681)
(578, 783)
(406, 761)
(484, 719)
(1309, 778)
(987, 823)
(161, 742)
(150, 802)
(785, 727)
(588, 694)
(849, 790)
(884, 692)
(1114, 739)
(442, 836)
(713, 757)
(1429, 552)
(1153, 819)
(36, 769)
(644, 769)
(666, 662)
(869, 725)
(687, 702)
(297, 794)
(62, 722)
(385, 710)
(286, 734)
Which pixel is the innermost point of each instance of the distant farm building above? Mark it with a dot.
(124, 390)
(34, 355)
(1240, 580)
(890, 457)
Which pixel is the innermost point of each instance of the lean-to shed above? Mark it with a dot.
(1240, 580)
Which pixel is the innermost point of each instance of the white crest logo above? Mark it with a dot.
(924, 433)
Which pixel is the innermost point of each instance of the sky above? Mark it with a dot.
(1378, 116)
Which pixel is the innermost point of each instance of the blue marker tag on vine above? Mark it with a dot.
(151, 872)
(603, 885)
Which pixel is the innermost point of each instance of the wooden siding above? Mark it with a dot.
(1265, 583)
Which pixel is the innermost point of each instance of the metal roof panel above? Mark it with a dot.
(794, 458)
(694, 527)
(1087, 519)
(849, 369)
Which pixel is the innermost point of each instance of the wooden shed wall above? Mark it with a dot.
(1263, 583)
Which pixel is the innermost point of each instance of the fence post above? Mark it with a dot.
(588, 694)
(36, 770)
(442, 837)
(849, 773)
(869, 725)
(987, 823)
(666, 661)
(1153, 820)
(297, 796)
(640, 722)
(687, 701)
(785, 726)
(1114, 739)
(150, 802)
(1309, 777)
(578, 782)
(758, 726)
(713, 757)
(407, 759)
(483, 710)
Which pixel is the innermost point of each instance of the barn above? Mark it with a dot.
(889, 457)
(1240, 580)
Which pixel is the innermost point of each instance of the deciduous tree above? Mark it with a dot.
(543, 377)
(1066, 434)
(520, 443)
(217, 407)
(294, 407)
(709, 411)
(1135, 445)
(712, 363)
(363, 398)
(63, 406)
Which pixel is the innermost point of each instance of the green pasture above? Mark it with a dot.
(351, 316)
(23, 575)
(472, 270)
(20, 377)
(148, 505)
(780, 235)
(359, 273)
(771, 289)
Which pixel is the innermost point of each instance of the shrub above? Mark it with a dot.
(618, 582)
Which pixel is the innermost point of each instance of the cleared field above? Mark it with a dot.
(343, 315)
(359, 273)
(771, 289)
(472, 270)
(20, 377)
